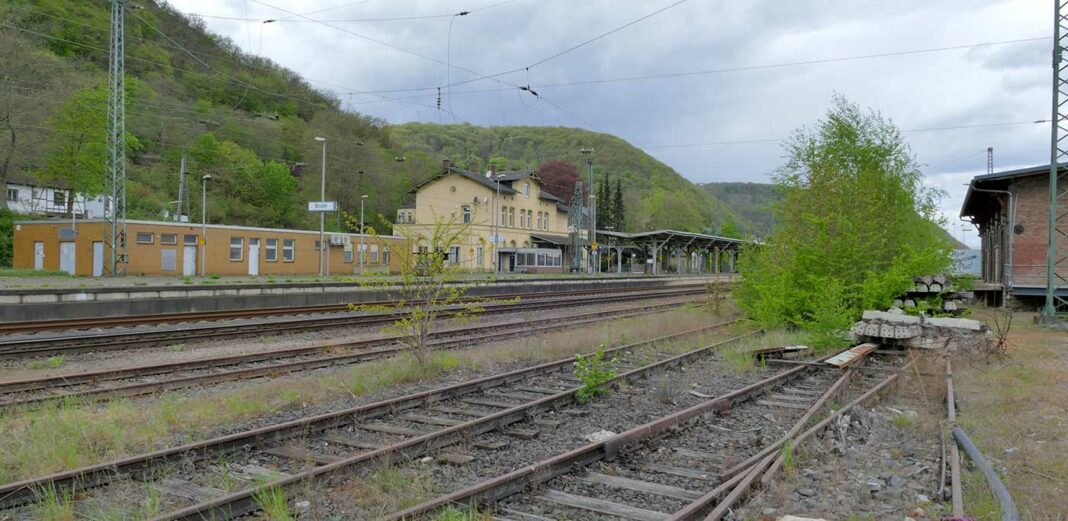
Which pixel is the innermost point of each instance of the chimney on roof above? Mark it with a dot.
(445, 164)
(492, 174)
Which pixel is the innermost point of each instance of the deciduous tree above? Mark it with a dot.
(856, 224)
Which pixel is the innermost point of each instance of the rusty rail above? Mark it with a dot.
(545, 470)
(115, 340)
(481, 333)
(243, 502)
(25, 491)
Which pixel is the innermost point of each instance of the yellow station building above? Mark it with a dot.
(511, 223)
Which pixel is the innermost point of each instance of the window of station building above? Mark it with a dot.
(526, 189)
(168, 260)
(271, 253)
(12, 194)
(59, 198)
(348, 257)
(504, 215)
(237, 248)
(479, 256)
(522, 218)
(190, 239)
(374, 253)
(511, 217)
(465, 214)
(454, 255)
(530, 219)
(539, 220)
(145, 237)
(168, 238)
(288, 250)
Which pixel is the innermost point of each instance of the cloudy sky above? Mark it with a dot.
(710, 126)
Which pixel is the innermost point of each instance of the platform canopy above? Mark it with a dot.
(675, 239)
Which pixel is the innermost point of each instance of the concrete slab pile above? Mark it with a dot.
(897, 328)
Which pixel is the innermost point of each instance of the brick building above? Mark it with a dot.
(1010, 210)
(183, 249)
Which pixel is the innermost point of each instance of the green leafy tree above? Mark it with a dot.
(75, 153)
(730, 229)
(856, 223)
(604, 203)
(618, 212)
(431, 293)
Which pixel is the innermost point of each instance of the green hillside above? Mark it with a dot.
(655, 196)
(753, 201)
(243, 119)
(251, 124)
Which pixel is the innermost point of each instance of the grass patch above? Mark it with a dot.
(274, 503)
(739, 359)
(389, 489)
(455, 514)
(787, 452)
(53, 505)
(23, 273)
(52, 362)
(1013, 409)
(903, 421)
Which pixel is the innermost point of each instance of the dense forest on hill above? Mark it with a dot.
(251, 124)
(753, 201)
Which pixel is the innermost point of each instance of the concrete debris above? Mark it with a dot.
(944, 333)
(599, 436)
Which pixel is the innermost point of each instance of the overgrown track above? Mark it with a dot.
(42, 345)
(126, 382)
(677, 467)
(493, 401)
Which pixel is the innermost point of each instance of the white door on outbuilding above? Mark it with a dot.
(253, 257)
(98, 258)
(66, 257)
(38, 255)
(189, 261)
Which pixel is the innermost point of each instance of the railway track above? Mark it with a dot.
(35, 326)
(48, 345)
(188, 477)
(679, 467)
(148, 379)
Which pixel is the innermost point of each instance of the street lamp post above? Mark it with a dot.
(204, 223)
(362, 199)
(322, 197)
(592, 208)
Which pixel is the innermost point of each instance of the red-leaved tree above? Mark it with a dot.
(559, 178)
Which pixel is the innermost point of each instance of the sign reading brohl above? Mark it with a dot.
(322, 206)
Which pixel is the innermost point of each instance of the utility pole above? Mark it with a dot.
(322, 197)
(591, 206)
(115, 151)
(181, 190)
(989, 160)
(1055, 256)
(204, 224)
(362, 199)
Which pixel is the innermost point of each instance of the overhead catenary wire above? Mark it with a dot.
(779, 140)
(742, 68)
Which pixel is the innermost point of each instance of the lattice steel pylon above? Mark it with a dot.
(115, 158)
(575, 213)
